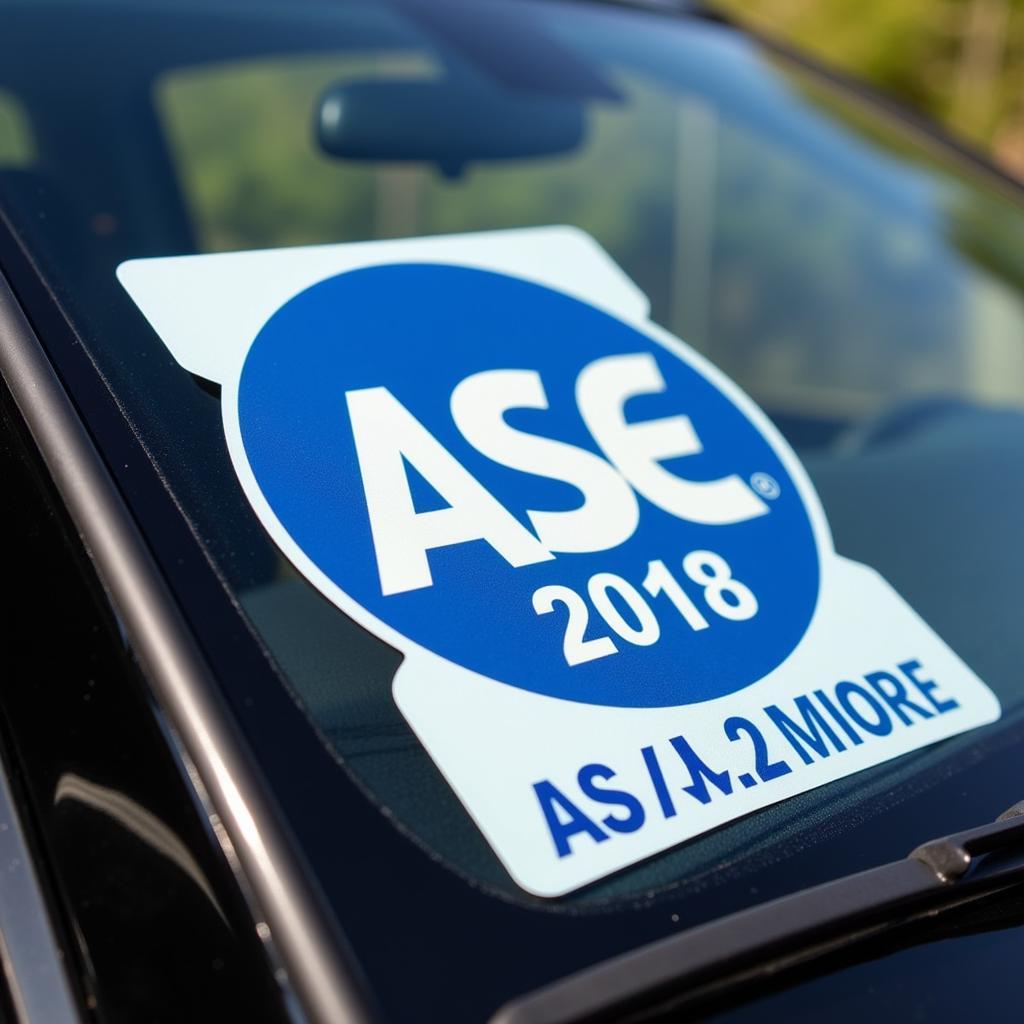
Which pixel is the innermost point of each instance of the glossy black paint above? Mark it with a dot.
(152, 919)
(431, 945)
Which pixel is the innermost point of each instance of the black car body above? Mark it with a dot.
(184, 839)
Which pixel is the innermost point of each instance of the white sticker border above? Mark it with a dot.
(581, 270)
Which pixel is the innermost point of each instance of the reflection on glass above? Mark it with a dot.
(862, 285)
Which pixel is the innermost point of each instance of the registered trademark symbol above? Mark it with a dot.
(765, 485)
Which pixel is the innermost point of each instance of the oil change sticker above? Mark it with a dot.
(613, 583)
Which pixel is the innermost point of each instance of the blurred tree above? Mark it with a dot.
(959, 61)
(16, 148)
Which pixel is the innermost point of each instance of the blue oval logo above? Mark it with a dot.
(527, 486)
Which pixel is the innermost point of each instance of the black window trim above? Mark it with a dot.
(281, 895)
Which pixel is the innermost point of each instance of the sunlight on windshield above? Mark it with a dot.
(825, 298)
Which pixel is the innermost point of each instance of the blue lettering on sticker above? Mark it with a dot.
(564, 818)
(755, 760)
(528, 486)
(588, 781)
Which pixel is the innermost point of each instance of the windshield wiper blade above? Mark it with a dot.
(810, 921)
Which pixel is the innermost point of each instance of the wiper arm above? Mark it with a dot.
(810, 921)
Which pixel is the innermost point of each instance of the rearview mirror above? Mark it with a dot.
(443, 122)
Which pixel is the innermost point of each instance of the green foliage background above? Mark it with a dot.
(958, 61)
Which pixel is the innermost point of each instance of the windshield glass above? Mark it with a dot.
(865, 288)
